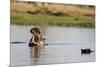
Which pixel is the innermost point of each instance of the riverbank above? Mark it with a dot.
(30, 14)
(52, 20)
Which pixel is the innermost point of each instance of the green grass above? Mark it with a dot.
(52, 15)
(76, 21)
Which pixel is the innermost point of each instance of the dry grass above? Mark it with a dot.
(52, 14)
(53, 8)
(70, 9)
(21, 7)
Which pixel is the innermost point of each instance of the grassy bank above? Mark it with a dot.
(52, 15)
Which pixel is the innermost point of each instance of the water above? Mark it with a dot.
(64, 45)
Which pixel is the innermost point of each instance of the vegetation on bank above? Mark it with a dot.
(52, 15)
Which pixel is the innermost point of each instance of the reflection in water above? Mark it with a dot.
(35, 52)
(64, 46)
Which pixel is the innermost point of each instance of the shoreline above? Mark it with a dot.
(52, 25)
(63, 21)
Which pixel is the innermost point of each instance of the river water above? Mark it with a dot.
(64, 45)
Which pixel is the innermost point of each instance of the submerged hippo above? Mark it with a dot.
(36, 42)
(86, 51)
